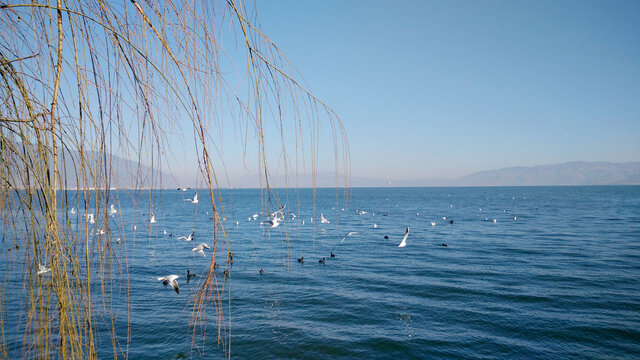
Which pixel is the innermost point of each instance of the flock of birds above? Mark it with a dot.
(273, 220)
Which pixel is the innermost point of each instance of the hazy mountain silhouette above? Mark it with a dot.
(571, 173)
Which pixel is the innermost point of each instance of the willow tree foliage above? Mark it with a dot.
(82, 81)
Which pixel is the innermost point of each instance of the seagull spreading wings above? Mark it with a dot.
(187, 239)
(323, 220)
(200, 248)
(42, 269)
(279, 211)
(349, 234)
(274, 223)
(194, 200)
(171, 280)
(404, 239)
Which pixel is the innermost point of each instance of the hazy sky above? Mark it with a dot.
(440, 89)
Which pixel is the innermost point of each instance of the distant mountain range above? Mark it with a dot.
(130, 174)
(571, 173)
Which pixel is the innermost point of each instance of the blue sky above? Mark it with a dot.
(442, 89)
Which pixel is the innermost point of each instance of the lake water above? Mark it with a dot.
(556, 275)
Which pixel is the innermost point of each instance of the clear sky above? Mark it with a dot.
(441, 89)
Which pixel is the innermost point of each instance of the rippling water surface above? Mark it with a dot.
(556, 275)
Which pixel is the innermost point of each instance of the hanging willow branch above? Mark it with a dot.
(84, 80)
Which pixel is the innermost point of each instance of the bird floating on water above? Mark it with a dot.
(112, 210)
(404, 239)
(261, 271)
(42, 269)
(200, 248)
(333, 255)
(171, 280)
(73, 211)
(375, 226)
(301, 260)
(433, 223)
(322, 261)
(190, 275)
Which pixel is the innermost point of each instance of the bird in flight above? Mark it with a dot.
(349, 234)
(42, 269)
(187, 238)
(194, 200)
(200, 248)
(404, 239)
(171, 280)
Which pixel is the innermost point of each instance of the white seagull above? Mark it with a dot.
(42, 269)
(73, 210)
(200, 248)
(171, 280)
(279, 211)
(349, 234)
(187, 238)
(194, 200)
(274, 223)
(375, 226)
(153, 218)
(91, 219)
(404, 239)
(433, 223)
(323, 220)
(112, 210)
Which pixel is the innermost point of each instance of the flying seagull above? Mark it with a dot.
(200, 248)
(194, 200)
(274, 223)
(153, 218)
(171, 280)
(187, 239)
(42, 269)
(279, 210)
(112, 210)
(404, 239)
(323, 220)
(349, 234)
